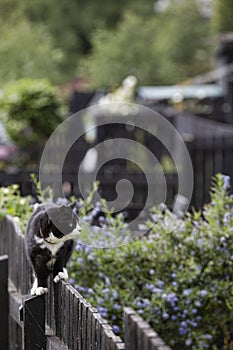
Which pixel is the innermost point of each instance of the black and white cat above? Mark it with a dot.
(49, 247)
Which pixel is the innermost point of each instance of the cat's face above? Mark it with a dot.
(63, 224)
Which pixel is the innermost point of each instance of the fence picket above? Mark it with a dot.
(34, 323)
(4, 329)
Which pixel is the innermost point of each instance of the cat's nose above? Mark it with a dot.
(78, 228)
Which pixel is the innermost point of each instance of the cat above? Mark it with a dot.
(48, 247)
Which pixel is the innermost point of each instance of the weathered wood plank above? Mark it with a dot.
(4, 328)
(34, 323)
(54, 343)
(139, 335)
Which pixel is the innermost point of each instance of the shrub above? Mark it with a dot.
(31, 110)
(12, 203)
(179, 281)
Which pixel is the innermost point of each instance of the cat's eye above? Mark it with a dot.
(70, 224)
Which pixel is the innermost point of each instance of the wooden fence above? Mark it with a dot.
(209, 157)
(62, 319)
(107, 186)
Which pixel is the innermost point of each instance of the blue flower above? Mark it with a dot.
(165, 315)
(187, 292)
(87, 249)
(79, 246)
(102, 219)
(103, 311)
(117, 306)
(116, 329)
(149, 286)
(183, 331)
(226, 182)
(183, 324)
(141, 303)
(160, 284)
(203, 293)
(188, 342)
(172, 298)
(105, 290)
(197, 303)
(226, 218)
(208, 336)
(91, 291)
(140, 311)
(193, 324)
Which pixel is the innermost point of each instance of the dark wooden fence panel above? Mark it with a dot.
(209, 156)
(33, 318)
(77, 323)
(4, 300)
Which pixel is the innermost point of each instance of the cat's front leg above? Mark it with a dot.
(37, 289)
(40, 283)
(61, 275)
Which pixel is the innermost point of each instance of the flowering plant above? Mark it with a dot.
(180, 282)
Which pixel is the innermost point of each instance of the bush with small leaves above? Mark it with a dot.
(31, 110)
(179, 280)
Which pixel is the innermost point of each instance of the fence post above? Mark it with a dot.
(4, 299)
(33, 317)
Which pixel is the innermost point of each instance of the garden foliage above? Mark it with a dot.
(178, 277)
(30, 110)
(179, 280)
(11, 203)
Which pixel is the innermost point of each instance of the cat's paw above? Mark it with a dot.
(34, 287)
(39, 291)
(61, 276)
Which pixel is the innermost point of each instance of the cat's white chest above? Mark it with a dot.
(52, 247)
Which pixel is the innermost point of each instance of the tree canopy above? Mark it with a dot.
(223, 16)
(161, 42)
(158, 49)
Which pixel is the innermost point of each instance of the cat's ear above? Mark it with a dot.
(45, 223)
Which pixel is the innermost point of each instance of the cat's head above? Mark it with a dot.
(61, 223)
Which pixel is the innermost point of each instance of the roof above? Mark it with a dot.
(179, 92)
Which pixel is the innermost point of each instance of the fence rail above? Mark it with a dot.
(62, 319)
